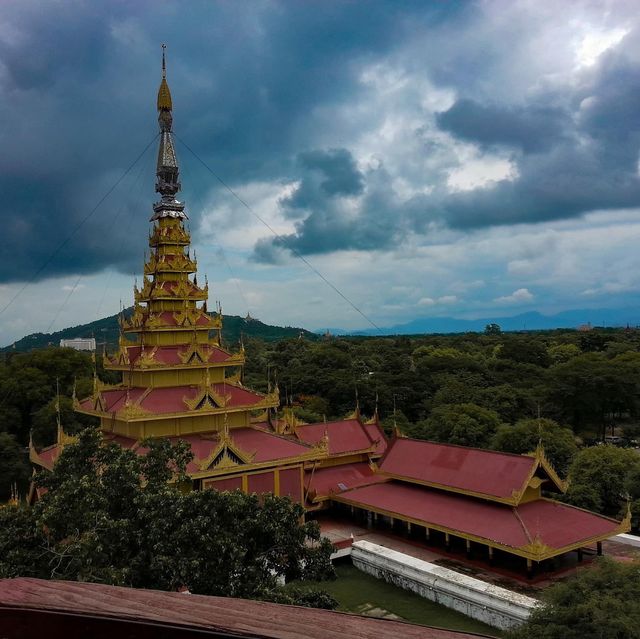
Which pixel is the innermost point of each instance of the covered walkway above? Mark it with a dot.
(535, 531)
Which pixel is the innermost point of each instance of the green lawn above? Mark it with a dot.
(360, 593)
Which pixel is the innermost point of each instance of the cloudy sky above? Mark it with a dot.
(428, 158)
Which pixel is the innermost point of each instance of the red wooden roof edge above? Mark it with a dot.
(238, 617)
(538, 528)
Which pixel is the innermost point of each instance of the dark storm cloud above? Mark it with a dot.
(79, 80)
(326, 175)
(323, 196)
(531, 129)
(594, 165)
(576, 154)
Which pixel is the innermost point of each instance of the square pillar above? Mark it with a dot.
(490, 555)
(409, 529)
(469, 552)
(447, 542)
(529, 569)
(599, 548)
(580, 555)
(427, 534)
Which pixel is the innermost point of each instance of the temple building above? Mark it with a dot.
(179, 382)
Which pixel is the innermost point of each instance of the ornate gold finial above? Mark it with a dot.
(356, 412)
(397, 433)
(164, 95)
(14, 499)
(324, 442)
(225, 427)
(58, 422)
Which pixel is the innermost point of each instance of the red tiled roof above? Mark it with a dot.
(347, 435)
(376, 435)
(560, 525)
(335, 479)
(121, 440)
(82, 609)
(267, 447)
(49, 455)
(171, 354)
(171, 400)
(556, 525)
(457, 468)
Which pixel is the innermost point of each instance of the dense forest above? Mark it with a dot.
(569, 390)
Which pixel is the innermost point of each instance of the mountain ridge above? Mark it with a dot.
(529, 321)
(107, 331)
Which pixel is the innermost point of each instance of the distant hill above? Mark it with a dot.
(532, 321)
(106, 331)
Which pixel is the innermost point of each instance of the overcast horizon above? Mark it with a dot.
(464, 159)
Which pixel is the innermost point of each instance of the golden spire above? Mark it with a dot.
(164, 95)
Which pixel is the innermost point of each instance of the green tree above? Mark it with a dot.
(560, 353)
(523, 437)
(45, 421)
(592, 389)
(464, 424)
(600, 603)
(492, 329)
(525, 350)
(113, 516)
(592, 342)
(599, 478)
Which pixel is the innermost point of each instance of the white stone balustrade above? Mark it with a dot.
(495, 606)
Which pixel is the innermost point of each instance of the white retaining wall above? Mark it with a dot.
(498, 607)
(628, 540)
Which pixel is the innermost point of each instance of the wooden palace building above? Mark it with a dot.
(178, 381)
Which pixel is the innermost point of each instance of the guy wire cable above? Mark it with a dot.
(136, 183)
(198, 204)
(75, 229)
(277, 235)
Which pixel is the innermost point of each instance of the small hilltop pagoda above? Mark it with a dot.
(179, 382)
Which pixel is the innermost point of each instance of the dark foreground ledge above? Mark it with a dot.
(38, 608)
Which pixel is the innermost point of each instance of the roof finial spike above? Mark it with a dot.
(164, 66)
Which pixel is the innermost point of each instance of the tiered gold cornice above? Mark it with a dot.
(167, 263)
(169, 236)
